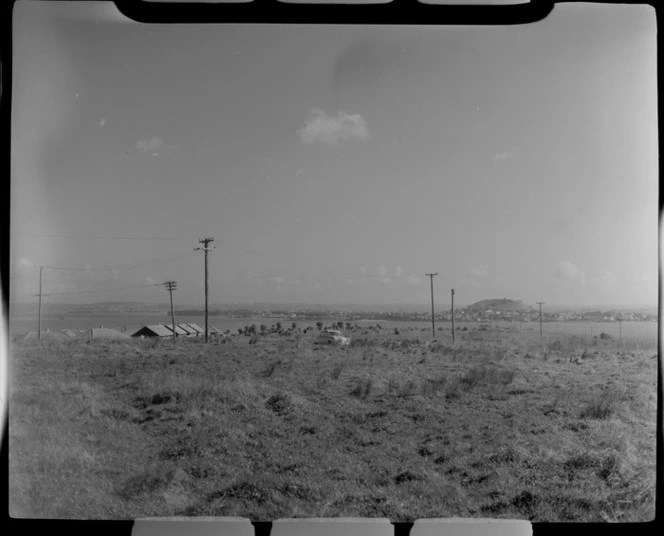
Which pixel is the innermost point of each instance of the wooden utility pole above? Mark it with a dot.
(540, 303)
(40, 303)
(452, 315)
(433, 321)
(205, 248)
(171, 286)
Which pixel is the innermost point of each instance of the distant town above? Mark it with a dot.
(484, 311)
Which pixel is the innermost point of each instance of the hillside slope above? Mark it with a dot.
(500, 305)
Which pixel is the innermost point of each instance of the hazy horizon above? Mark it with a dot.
(335, 164)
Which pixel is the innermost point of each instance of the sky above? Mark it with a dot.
(335, 164)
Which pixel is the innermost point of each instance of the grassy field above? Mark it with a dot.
(497, 424)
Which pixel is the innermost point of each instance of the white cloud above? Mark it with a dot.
(23, 265)
(399, 271)
(502, 156)
(150, 280)
(607, 279)
(635, 279)
(153, 145)
(567, 270)
(413, 279)
(330, 129)
(479, 271)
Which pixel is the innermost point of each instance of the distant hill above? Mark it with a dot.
(500, 305)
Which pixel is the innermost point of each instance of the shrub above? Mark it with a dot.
(362, 342)
(605, 336)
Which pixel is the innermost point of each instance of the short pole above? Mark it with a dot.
(433, 322)
(540, 316)
(452, 315)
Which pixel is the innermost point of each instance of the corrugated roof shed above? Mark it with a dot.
(186, 329)
(178, 330)
(196, 327)
(156, 330)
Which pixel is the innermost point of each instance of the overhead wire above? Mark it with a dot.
(105, 289)
(353, 276)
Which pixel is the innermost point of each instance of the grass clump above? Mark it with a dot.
(271, 368)
(602, 406)
(362, 388)
(280, 403)
(433, 386)
(488, 375)
(336, 372)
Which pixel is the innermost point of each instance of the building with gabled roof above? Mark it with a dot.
(156, 330)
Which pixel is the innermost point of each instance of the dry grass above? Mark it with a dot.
(496, 424)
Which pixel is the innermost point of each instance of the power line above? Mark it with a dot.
(98, 237)
(127, 265)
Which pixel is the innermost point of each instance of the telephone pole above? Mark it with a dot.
(540, 303)
(40, 302)
(433, 321)
(171, 286)
(205, 248)
(452, 315)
